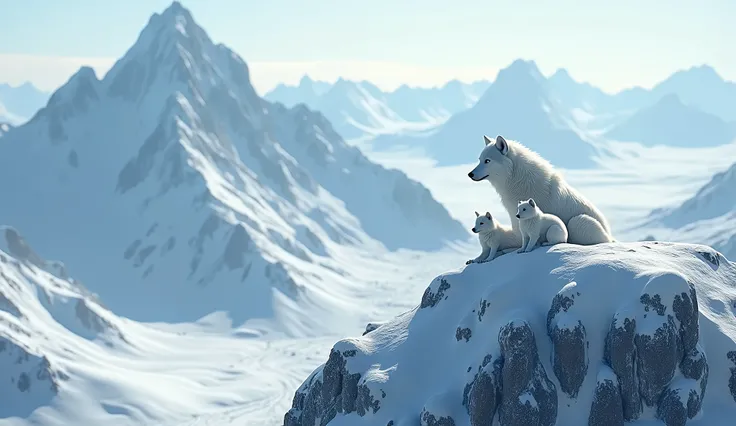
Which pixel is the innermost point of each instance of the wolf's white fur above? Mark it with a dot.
(518, 173)
(538, 227)
(495, 239)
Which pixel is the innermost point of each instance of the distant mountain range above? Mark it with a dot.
(18, 104)
(360, 109)
(563, 119)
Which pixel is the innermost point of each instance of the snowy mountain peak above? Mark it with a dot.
(81, 88)
(520, 72)
(182, 183)
(562, 74)
(305, 82)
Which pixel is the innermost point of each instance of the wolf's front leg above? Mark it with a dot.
(524, 242)
(481, 257)
(491, 255)
(532, 243)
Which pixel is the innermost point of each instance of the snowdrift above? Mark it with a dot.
(568, 335)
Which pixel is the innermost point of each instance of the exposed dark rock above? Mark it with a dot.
(732, 380)
(569, 341)
(694, 363)
(671, 410)
(434, 413)
(484, 394)
(430, 299)
(685, 308)
(463, 333)
(607, 408)
(658, 356)
(528, 396)
(620, 354)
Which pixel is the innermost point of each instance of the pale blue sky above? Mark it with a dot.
(612, 44)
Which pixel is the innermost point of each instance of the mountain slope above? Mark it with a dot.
(573, 335)
(360, 109)
(517, 105)
(671, 123)
(21, 102)
(180, 192)
(708, 217)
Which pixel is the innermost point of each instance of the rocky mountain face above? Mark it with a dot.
(40, 306)
(173, 183)
(558, 336)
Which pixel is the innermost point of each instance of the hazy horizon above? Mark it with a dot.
(447, 43)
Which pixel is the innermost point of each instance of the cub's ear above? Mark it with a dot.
(519, 203)
(476, 214)
(488, 215)
(487, 140)
(502, 145)
(532, 203)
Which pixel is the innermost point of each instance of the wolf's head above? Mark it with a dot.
(494, 163)
(483, 223)
(527, 209)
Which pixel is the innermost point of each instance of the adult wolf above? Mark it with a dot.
(518, 173)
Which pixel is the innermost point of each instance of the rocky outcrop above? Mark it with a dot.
(607, 408)
(645, 350)
(34, 382)
(569, 342)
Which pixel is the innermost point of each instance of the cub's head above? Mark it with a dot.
(494, 163)
(527, 209)
(483, 223)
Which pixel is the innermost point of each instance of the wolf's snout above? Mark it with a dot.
(518, 217)
(473, 229)
(470, 175)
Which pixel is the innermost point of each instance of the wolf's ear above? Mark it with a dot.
(476, 214)
(487, 140)
(502, 145)
(488, 215)
(532, 203)
(519, 203)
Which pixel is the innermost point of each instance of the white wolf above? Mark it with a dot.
(537, 227)
(495, 239)
(518, 173)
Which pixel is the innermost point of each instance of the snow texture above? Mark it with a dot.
(600, 335)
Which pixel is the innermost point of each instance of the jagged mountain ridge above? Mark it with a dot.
(172, 175)
(359, 109)
(517, 105)
(698, 87)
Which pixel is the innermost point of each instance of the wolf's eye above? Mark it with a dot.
(524, 209)
(487, 161)
(481, 223)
